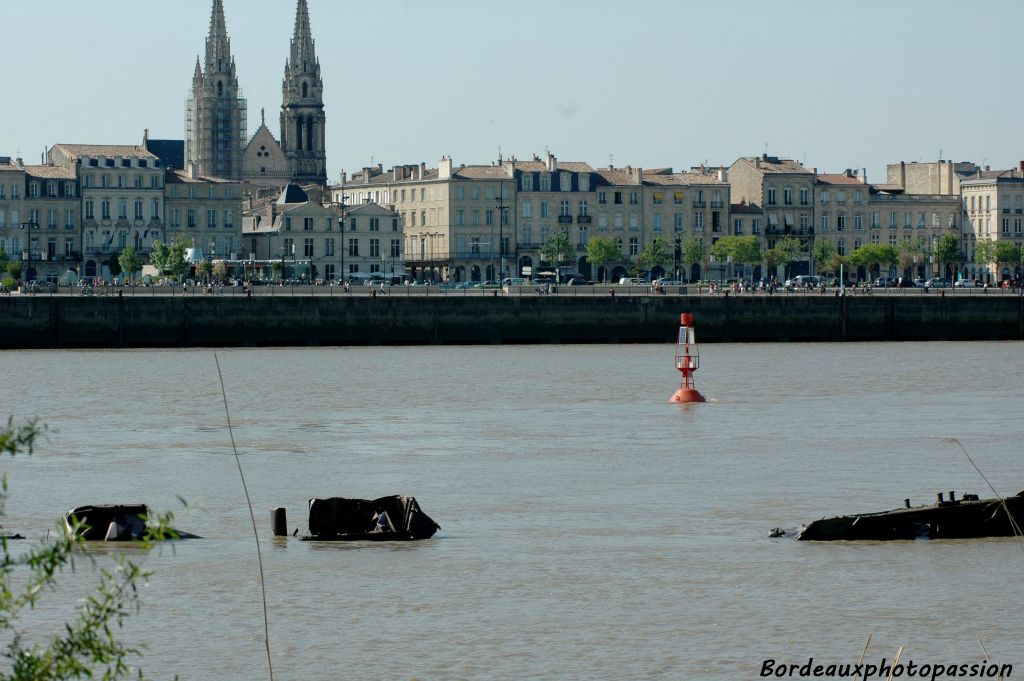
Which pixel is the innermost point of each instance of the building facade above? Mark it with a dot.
(993, 211)
(122, 194)
(204, 212)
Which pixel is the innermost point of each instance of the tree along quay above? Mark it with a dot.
(226, 321)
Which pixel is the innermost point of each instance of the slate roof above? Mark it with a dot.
(107, 150)
(490, 172)
(178, 176)
(292, 194)
(170, 152)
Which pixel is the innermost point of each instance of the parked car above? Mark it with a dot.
(579, 281)
(936, 282)
(633, 281)
(491, 284)
(803, 281)
(40, 286)
(885, 282)
(513, 281)
(665, 281)
(967, 283)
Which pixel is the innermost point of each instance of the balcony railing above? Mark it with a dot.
(565, 219)
(583, 219)
(699, 204)
(716, 204)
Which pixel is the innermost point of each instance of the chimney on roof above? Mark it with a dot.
(552, 162)
(423, 170)
(444, 168)
(987, 168)
(862, 174)
(721, 174)
(757, 161)
(191, 170)
(637, 174)
(903, 174)
(1021, 166)
(145, 137)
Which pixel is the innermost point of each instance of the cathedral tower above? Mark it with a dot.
(302, 107)
(215, 111)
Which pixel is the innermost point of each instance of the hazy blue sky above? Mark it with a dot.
(652, 84)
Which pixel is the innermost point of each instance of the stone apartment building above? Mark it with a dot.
(39, 210)
(204, 211)
(314, 241)
(940, 178)
(993, 210)
(122, 194)
(784, 190)
(479, 222)
(853, 213)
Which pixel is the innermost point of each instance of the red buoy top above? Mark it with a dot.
(686, 319)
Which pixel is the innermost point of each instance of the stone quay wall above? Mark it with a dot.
(217, 321)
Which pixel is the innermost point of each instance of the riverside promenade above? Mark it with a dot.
(149, 317)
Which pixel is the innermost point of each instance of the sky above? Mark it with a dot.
(648, 83)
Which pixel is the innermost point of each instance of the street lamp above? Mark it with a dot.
(341, 230)
(501, 230)
(26, 254)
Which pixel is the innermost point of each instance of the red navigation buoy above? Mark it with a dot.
(687, 361)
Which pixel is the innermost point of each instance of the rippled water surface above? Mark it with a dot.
(591, 530)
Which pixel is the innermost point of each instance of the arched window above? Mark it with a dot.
(298, 133)
(309, 134)
(305, 89)
(220, 88)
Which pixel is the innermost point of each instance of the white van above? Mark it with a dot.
(634, 281)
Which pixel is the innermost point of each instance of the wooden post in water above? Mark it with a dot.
(279, 521)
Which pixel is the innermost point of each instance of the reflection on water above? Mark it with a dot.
(591, 529)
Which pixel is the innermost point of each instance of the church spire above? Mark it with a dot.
(303, 53)
(218, 46)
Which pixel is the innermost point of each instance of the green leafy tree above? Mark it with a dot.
(275, 268)
(158, 256)
(220, 270)
(658, 252)
(557, 249)
(176, 265)
(130, 261)
(822, 252)
(870, 255)
(910, 252)
(985, 252)
(3, 258)
(204, 268)
(947, 250)
(789, 250)
(1007, 253)
(88, 646)
(692, 253)
(745, 250)
(774, 258)
(14, 269)
(602, 250)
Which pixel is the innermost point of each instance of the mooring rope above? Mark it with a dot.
(1017, 534)
(252, 516)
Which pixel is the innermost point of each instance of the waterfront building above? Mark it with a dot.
(852, 213)
(993, 210)
(12, 209)
(122, 195)
(488, 222)
(314, 241)
(784, 190)
(205, 212)
(50, 221)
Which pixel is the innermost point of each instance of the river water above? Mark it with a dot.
(591, 530)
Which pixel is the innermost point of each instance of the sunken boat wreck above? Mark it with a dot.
(952, 518)
(394, 518)
(112, 522)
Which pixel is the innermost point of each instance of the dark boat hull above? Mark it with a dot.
(945, 520)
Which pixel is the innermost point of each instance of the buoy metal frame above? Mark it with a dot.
(687, 361)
